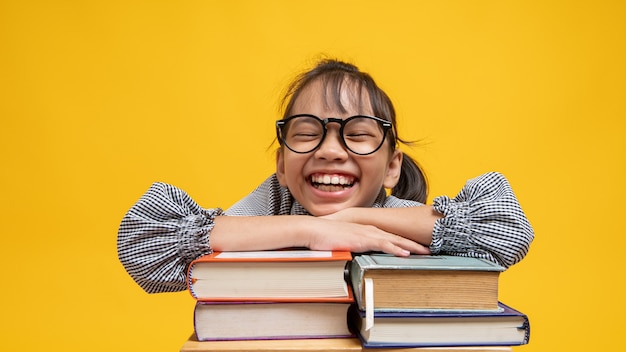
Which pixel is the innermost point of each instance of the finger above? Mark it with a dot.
(422, 250)
(412, 246)
(395, 249)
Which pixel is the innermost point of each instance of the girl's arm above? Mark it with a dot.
(484, 220)
(240, 233)
(165, 230)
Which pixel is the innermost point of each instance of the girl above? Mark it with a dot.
(338, 153)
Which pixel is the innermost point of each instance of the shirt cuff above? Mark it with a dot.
(451, 233)
(194, 240)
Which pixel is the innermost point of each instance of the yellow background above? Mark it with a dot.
(101, 98)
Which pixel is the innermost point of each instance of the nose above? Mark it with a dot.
(332, 148)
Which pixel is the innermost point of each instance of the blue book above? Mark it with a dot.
(424, 282)
(505, 327)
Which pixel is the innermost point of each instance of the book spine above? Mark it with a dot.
(190, 281)
(357, 271)
(526, 328)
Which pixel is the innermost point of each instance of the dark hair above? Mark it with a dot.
(334, 74)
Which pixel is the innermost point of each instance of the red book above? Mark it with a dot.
(271, 276)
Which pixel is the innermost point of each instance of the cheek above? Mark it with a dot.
(372, 176)
(378, 165)
(292, 166)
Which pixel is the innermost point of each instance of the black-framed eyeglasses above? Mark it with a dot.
(360, 134)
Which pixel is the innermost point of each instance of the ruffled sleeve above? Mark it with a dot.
(484, 220)
(160, 235)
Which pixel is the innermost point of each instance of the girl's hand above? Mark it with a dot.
(332, 233)
(413, 223)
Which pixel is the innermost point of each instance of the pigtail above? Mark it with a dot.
(412, 184)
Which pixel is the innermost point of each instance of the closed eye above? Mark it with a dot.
(307, 135)
(360, 135)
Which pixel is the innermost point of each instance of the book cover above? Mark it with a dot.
(287, 275)
(424, 282)
(286, 255)
(506, 327)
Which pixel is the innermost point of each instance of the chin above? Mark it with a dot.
(326, 210)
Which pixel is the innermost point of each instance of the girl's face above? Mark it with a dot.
(331, 178)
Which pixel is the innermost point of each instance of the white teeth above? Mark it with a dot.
(332, 180)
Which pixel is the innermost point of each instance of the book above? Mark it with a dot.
(215, 321)
(424, 282)
(409, 329)
(314, 345)
(280, 275)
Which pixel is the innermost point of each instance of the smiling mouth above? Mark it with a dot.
(332, 182)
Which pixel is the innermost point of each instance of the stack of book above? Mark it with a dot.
(431, 301)
(286, 294)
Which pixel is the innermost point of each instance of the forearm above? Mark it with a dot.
(248, 233)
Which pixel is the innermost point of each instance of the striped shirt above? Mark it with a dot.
(166, 229)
